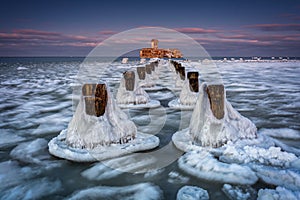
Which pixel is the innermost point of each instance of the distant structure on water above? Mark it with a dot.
(155, 52)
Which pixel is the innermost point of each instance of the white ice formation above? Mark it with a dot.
(90, 138)
(278, 194)
(86, 131)
(206, 129)
(145, 191)
(187, 98)
(203, 165)
(192, 193)
(239, 192)
(137, 98)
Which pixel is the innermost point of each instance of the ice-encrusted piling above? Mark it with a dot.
(93, 136)
(216, 100)
(152, 66)
(141, 71)
(129, 77)
(193, 78)
(95, 99)
(214, 121)
(181, 71)
(109, 124)
(148, 69)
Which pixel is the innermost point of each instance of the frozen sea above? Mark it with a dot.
(36, 104)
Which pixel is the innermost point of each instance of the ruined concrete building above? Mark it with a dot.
(155, 52)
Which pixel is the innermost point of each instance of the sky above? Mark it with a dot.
(223, 28)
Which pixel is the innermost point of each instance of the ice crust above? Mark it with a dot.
(209, 131)
(85, 131)
(137, 96)
(187, 99)
(59, 147)
(203, 165)
(34, 152)
(90, 138)
(36, 189)
(239, 192)
(145, 191)
(273, 156)
(280, 193)
(192, 193)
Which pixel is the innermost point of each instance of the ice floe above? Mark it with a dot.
(9, 138)
(59, 148)
(239, 192)
(145, 191)
(203, 165)
(280, 193)
(175, 177)
(192, 193)
(273, 156)
(284, 133)
(34, 152)
(36, 189)
(288, 178)
(12, 174)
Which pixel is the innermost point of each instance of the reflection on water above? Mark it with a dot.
(36, 102)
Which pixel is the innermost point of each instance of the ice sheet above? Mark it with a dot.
(284, 133)
(272, 156)
(36, 189)
(288, 178)
(59, 147)
(192, 193)
(177, 178)
(278, 194)
(203, 165)
(34, 152)
(8, 138)
(145, 191)
(239, 192)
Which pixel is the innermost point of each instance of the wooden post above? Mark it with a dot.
(152, 66)
(193, 81)
(129, 77)
(216, 99)
(95, 99)
(88, 89)
(181, 71)
(148, 69)
(141, 72)
(177, 66)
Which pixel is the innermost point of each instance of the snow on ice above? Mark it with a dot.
(192, 193)
(145, 191)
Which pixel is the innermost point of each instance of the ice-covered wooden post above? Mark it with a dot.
(148, 69)
(95, 98)
(152, 66)
(216, 98)
(193, 81)
(181, 71)
(177, 66)
(141, 72)
(129, 77)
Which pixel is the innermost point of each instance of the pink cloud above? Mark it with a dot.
(195, 30)
(275, 27)
(41, 38)
(107, 32)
